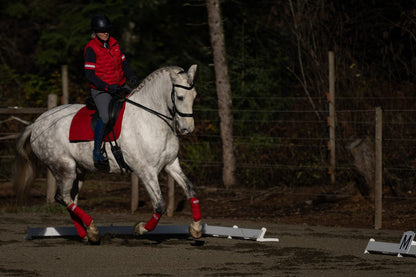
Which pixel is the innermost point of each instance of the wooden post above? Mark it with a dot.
(378, 187)
(50, 180)
(134, 192)
(331, 120)
(65, 93)
(171, 196)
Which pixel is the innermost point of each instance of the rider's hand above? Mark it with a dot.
(112, 88)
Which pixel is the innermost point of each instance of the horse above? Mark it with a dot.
(155, 112)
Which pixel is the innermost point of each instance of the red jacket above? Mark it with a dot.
(108, 65)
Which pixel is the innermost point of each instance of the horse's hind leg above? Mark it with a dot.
(77, 185)
(68, 188)
(174, 170)
(79, 225)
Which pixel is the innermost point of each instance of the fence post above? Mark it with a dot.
(65, 91)
(50, 180)
(378, 186)
(331, 119)
(134, 192)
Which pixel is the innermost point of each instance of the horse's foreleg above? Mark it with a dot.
(196, 211)
(159, 206)
(174, 170)
(195, 229)
(142, 228)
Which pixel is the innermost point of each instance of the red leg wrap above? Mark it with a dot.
(85, 218)
(79, 226)
(196, 212)
(151, 224)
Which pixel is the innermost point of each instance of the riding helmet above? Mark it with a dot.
(101, 24)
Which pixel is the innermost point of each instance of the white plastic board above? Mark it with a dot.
(406, 246)
(230, 232)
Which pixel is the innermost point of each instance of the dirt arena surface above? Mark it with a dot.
(303, 250)
(321, 233)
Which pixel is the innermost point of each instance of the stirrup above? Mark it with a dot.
(103, 166)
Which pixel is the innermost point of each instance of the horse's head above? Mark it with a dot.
(183, 95)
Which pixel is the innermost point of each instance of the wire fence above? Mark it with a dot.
(290, 147)
(281, 142)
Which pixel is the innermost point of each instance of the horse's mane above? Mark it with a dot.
(154, 75)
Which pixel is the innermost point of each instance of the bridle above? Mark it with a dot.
(172, 96)
(172, 111)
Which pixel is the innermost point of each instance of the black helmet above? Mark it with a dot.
(101, 24)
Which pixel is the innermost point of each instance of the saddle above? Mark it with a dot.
(83, 125)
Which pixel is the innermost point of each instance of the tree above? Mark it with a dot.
(223, 91)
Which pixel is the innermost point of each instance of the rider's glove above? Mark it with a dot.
(111, 88)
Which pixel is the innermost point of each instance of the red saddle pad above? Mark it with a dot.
(80, 129)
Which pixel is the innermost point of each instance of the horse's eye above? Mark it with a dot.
(180, 98)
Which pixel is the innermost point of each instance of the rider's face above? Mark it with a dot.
(103, 36)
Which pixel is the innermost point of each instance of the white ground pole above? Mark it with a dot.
(216, 231)
(407, 246)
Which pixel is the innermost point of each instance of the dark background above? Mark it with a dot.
(277, 55)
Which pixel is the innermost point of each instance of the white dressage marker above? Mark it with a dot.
(216, 231)
(407, 246)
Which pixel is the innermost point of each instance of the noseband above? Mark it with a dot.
(172, 95)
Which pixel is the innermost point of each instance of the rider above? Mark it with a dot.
(106, 69)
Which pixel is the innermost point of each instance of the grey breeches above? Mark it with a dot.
(102, 101)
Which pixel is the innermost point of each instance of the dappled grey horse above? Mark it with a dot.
(159, 108)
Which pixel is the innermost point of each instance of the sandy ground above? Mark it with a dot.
(303, 250)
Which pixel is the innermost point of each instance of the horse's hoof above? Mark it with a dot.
(195, 229)
(139, 229)
(93, 233)
(84, 240)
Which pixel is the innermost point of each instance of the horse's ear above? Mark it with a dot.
(191, 72)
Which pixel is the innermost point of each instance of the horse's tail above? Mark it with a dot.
(25, 166)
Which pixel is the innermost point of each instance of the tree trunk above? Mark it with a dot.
(364, 161)
(223, 91)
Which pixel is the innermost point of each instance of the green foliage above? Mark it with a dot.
(37, 88)
(17, 10)
(199, 155)
(256, 63)
(8, 76)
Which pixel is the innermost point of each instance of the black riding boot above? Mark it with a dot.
(99, 153)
